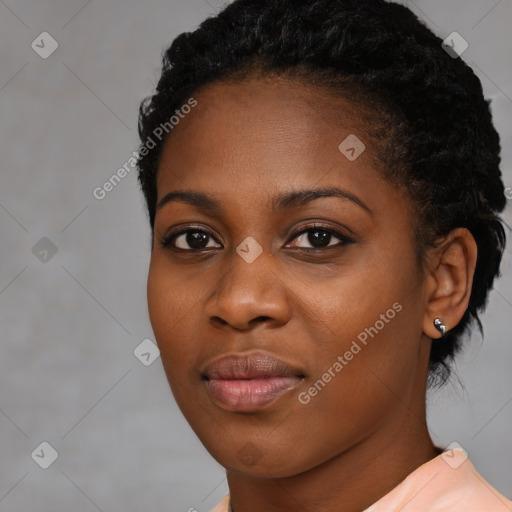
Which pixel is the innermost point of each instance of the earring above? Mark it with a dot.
(440, 326)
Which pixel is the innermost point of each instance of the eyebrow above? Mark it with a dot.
(294, 199)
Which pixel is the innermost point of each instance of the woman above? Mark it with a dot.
(323, 186)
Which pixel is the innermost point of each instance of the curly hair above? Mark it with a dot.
(429, 122)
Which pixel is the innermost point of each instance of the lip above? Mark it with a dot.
(249, 382)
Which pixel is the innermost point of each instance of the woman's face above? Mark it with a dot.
(289, 321)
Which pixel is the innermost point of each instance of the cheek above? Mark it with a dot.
(171, 315)
(170, 309)
(343, 402)
(374, 354)
(160, 304)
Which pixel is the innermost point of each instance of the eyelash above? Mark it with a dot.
(166, 242)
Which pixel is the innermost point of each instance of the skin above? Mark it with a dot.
(365, 431)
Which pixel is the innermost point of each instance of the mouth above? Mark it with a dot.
(249, 382)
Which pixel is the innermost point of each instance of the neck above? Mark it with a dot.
(350, 481)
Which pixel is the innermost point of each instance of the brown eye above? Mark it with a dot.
(188, 240)
(319, 237)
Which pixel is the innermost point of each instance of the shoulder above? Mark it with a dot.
(447, 483)
(472, 493)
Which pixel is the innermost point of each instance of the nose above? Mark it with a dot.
(248, 294)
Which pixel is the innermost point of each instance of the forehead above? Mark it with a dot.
(263, 128)
(276, 101)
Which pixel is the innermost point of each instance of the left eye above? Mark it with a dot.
(319, 238)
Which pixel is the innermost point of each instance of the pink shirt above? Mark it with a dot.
(447, 483)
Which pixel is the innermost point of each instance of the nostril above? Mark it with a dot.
(261, 319)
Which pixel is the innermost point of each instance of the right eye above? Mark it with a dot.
(191, 239)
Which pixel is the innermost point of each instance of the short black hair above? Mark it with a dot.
(431, 128)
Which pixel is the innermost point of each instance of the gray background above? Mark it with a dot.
(68, 374)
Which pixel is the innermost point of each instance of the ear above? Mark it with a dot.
(449, 279)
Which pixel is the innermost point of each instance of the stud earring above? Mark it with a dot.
(440, 326)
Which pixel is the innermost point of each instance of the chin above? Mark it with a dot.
(257, 462)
